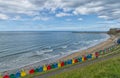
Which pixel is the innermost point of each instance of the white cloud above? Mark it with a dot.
(3, 17)
(41, 18)
(63, 14)
(103, 16)
(80, 19)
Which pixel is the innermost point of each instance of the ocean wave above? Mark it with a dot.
(64, 46)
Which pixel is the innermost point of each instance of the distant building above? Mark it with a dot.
(114, 31)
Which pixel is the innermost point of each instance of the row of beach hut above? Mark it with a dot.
(55, 65)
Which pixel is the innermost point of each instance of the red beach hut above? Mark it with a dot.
(6, 76)
(31, 71)
(96, 54)
(75, 60)
(62, 64)
(49, 67)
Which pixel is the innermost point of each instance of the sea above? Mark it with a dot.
(19, 49)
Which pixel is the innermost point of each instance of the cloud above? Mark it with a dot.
(3, 17)
(63, 14)
(105, 9)
(41, 18)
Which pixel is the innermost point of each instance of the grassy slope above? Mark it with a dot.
(105, 69)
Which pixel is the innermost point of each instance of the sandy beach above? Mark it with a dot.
(109, 42)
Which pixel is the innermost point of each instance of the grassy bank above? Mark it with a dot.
(105, 69)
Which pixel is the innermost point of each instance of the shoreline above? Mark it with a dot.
(110, 41)
(105, 44)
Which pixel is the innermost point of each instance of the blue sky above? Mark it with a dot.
(59, 15)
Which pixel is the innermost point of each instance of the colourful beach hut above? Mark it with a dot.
(62, 64)
(23, 73)
(79, 59)
(44, 68)
(17, 75)
(93, 55)
(76, 60)
(118, 41)
(36, 70)
(73, 62)
(96, 54)
(31, 71)
(12, 76)
(48, 67)
(84, 58)
(59, 64)
(6, 76)
(69, 61)
(89, 56)
(65, 63)
(40, 69)
(56, 65)
(52, 66)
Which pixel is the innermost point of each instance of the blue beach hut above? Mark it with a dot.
(40, 69)
(69, 61)
(118, 41)
(17, 75)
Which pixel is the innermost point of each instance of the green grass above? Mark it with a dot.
(106, 69)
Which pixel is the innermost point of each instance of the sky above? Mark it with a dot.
(59, 15)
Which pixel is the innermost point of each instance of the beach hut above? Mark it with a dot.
(65, 62)
(93, 55)
(23, 73)
(73, 62)
(12, 76)
(31, 71)
(6, 76)
(52, 66)
(89, 56)
(79, 59)
(59, 64)
(69, 61)
(96, 54)
(84, 58)
(41, 69)
(48, 67)
(118, 41)
(62, 64)
(44, 68)
(36, 70)
(55, 65)
(17, 75)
